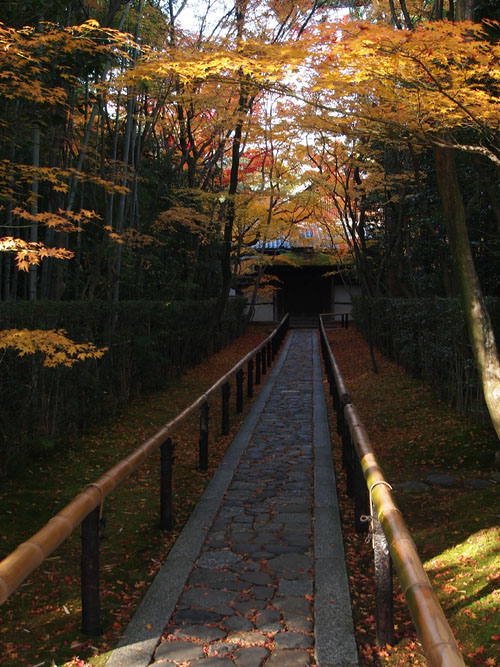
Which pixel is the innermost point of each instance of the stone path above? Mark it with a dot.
(258, 575)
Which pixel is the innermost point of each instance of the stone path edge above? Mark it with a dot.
(335, 645)
(145, 629)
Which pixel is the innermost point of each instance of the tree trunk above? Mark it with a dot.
(8, 264)
(244, 106)
(120, 218)
(479, 326)
(128, 151)
(33, 275)
(230, 216)
(481, 335)
(464, 10)
(90, 124)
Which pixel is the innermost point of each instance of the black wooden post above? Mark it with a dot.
(329, 373)
(331, 381)
(250, 378)
(203, 438)
(337, 406)
(258, 366)
(263, 358)
(91, 603)
(166, 466)
(361, 497)
(226, 391)
(348, 455)
(384, 599)
(239, 391)
(269, 354)
(343, 426)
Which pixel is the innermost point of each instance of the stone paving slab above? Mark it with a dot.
(258, 576)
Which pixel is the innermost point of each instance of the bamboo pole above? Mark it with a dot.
(435, 634)
(19, 564)
(339, 380)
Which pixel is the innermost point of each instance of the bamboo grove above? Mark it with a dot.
(150, 149)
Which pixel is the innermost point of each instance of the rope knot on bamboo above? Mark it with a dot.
(368, 518)
(101, 493)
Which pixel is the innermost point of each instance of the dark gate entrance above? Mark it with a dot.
(304, 292)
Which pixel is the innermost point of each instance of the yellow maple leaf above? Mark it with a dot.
(55, 346)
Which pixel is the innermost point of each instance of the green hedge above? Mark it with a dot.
(428, 337)
(149, 343)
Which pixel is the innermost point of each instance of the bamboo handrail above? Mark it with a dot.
(434, 632)
(339, 380)
(19, 564)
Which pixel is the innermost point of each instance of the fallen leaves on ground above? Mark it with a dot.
(40, 623)
(455, 529)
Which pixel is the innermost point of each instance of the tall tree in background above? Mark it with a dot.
(434, 85)
(481, 334)
(141, 138)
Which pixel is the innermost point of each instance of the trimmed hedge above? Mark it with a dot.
(149, 344)
(429, 338)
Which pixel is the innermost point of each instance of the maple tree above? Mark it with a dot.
(275, 207)
(38, 68)
(145, 152)
(431, 86)
(158, 171)
(216, 86)
(55, 346)
(180, 102)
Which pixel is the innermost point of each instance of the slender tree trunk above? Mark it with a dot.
(33, 275)
(90, 124)
(47, 266)
(262, 265)
(128, 151)
(481, 335)
(8, 264)
(111, 197)
(244, 105)
(255, 292)
(464, 10)
(479, 325)
(120, 219)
